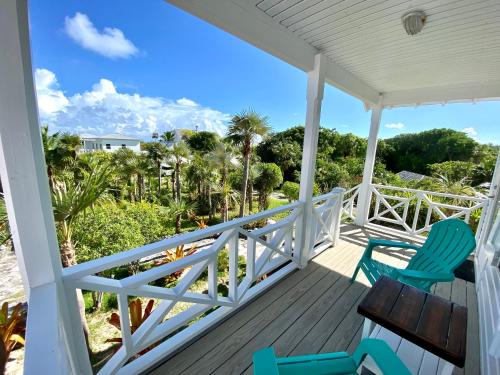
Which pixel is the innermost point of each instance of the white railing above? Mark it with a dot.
(404, 208)
(326, 220)
(350, 201)
(270, 254)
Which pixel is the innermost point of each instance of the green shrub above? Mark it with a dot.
(291, 190)
(269, 177)
(453, 170)
(152, 219)
(103, 231)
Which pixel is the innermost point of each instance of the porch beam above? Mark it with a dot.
(364, 196)
(315, 89)
(246, 21)
(27, 198)
(442, 95)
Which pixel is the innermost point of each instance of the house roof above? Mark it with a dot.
(410, 176)
(454, 58)
(109, 136)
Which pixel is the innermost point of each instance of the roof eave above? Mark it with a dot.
(241, 19)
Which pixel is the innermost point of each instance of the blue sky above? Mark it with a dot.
(159, 68)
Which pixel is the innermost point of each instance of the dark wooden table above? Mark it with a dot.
(431, 322)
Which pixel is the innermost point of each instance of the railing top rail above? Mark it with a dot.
(352, 189)
(435, 193)
(329, 195)
(128, 256)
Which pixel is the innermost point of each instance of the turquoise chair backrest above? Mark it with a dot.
(448, 245)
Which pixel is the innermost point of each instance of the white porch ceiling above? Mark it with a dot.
(455, 58)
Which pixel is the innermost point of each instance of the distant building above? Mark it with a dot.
(410, 176)
(109, 143)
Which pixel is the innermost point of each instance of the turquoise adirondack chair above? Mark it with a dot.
(449, 244)
(266, 363)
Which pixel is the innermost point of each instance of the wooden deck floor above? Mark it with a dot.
(311, 311)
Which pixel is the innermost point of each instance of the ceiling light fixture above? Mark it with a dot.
(414, 21)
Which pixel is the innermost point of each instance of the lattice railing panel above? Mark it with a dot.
(268, 251)
(415, 211)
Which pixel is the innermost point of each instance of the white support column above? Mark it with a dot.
(27, 197)
(315, 89)
(364, 197)
(488, 217)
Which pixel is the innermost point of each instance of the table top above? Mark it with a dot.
(431, 322)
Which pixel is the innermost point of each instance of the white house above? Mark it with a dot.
(109, 142)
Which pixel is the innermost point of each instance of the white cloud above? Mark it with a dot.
(50, 98)
(105, 110)
(187, 102)
(471, 132)
(111, 42)
(395, 125)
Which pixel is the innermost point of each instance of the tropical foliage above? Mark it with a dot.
(4, 223)
(137, 317)
(105, 203)
(12, 328)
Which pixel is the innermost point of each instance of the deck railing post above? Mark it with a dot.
(315, 89)
(364, 197)
(28, 202)
(489, 212)
(337, 213)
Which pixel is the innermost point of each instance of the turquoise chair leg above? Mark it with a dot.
(355, 274)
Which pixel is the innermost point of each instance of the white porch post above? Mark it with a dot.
(364, 196)
(27, 197)
(488, 216)
(315, 88)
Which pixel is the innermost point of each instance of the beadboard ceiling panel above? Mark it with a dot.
(455, 57)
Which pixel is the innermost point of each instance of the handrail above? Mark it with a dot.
(270, 250)
(397, 213)
(128, 256)
(326, 196)
(435, 193)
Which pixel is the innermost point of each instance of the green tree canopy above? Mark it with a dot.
(269, 178)
(203, 141)
(414, 152)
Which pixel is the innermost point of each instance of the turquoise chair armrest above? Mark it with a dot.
(382, 354)
(264, 362)
(374, 242)
(423, 275)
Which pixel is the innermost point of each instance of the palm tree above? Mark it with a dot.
(156, 153)
(202, 177)
(460, 187)
(179, 210)
(222, 158)
(60, 151)
(244, 130)
(126, 163)
(180, 153)
(168, 137)
(69, 200)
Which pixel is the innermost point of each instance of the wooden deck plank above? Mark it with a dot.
(312, 310)
(299, 299)
(239, 361)
(342, 336)
(229, 327)
(296, 331)
(318, 336)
